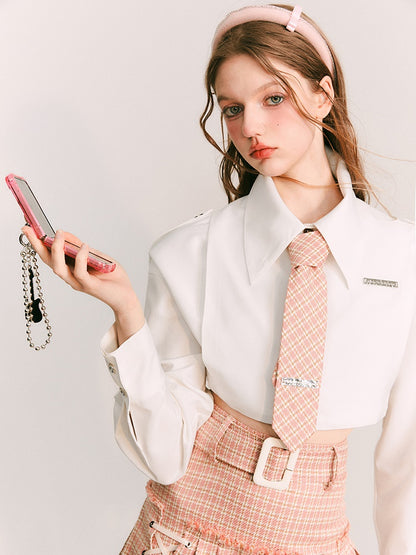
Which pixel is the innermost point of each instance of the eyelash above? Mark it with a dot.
(229, 116)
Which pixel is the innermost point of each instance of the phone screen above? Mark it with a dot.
(35, 206)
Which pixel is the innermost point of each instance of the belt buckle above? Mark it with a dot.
(258, 477)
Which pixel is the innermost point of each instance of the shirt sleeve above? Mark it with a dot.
(162, 398)
(395, 461)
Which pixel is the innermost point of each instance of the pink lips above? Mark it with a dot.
(261, 152)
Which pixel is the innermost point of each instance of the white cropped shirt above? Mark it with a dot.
(214, 310)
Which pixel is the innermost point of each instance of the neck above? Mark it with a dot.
(310, 191)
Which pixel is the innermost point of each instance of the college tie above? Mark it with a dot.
(298, 371)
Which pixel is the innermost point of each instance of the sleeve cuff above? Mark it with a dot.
(109, 344)
(134, 365)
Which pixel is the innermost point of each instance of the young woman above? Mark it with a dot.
(220, 357)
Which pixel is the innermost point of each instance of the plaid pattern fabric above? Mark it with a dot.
(218, 508)
(297, 375)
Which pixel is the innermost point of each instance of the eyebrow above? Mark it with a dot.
(262, 88)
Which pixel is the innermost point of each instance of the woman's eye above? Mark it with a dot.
(275, 99)
(231, 111)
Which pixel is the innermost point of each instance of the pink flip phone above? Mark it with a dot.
(36, 218)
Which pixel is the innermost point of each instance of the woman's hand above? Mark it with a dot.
(113, 288)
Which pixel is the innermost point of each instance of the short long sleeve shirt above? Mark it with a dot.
(213, 319)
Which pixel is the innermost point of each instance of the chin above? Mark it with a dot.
(273, 170)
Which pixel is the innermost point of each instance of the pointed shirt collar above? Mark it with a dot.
(269, 225)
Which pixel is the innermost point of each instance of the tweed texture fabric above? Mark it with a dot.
(217, 509)
(298, 371)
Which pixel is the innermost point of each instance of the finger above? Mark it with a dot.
(80, 269)
(37, 244)
(58, 263)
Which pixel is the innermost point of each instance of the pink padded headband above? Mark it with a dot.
(290, 19)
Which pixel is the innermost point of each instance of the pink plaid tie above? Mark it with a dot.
(297, 375)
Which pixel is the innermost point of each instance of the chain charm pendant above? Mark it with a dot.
(35, 310)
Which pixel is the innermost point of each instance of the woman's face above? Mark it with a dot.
(262, 121)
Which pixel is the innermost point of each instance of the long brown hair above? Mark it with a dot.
(263, 41)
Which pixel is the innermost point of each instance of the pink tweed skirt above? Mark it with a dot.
(217, 509)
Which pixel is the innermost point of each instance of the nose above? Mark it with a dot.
(252, 122)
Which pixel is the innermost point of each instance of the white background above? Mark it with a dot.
(99, 105)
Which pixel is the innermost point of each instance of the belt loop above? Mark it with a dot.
(211, 433)
(334, 470)
(219, 434)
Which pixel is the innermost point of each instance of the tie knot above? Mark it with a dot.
(308, 249)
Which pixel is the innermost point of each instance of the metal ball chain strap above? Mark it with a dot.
(34, 308)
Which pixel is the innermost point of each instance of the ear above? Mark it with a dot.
(325, 97)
